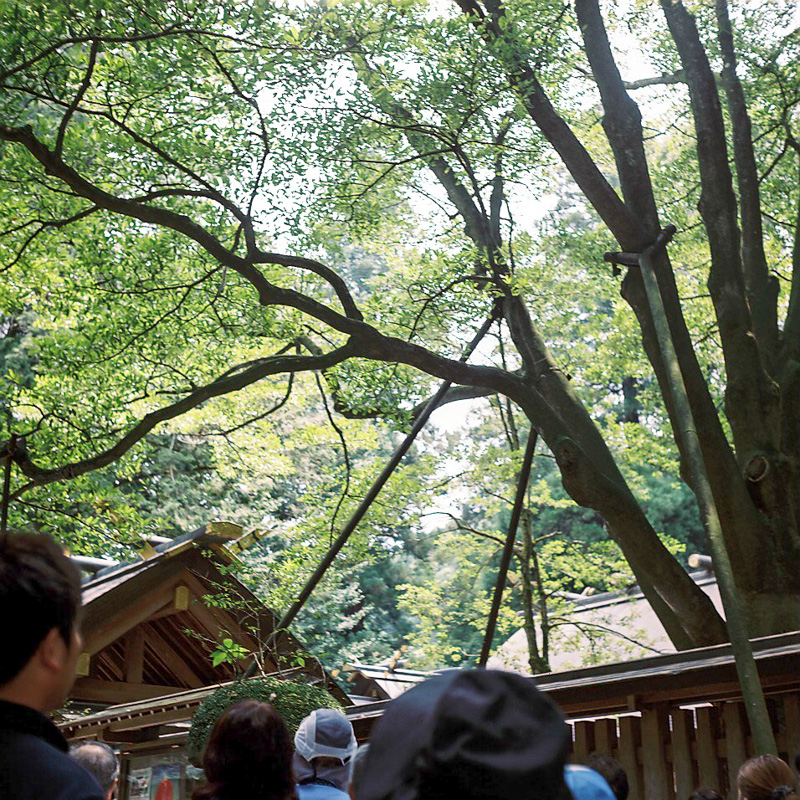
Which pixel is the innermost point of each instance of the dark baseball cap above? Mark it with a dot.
(468, 734)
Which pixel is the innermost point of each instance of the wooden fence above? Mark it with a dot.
(675, 721)
(669, 750)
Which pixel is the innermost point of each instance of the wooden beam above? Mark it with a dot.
(126, 619)
(131, 737)
(182, 594)
(96, 691)
(180, 602)
(83, 665)
(224, 529)
(156, 718)
(151, 734)
(174, 744)
(134, 656)
(173, 661)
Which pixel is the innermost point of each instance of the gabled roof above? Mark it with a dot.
(213, 534)
(150, 627)
(370, 682)
(602, 628)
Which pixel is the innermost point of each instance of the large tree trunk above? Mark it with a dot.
(752, 483)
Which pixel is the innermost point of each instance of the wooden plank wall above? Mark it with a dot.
(667, 752)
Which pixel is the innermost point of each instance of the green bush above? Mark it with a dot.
(294, 701)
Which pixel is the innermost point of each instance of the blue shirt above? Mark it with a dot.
(586, 784)
(320, 791)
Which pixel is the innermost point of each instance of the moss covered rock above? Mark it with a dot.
(294, 701)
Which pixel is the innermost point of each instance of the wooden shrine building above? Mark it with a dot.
(150, 627)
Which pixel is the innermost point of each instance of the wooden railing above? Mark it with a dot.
(669, 750)
(675, 722)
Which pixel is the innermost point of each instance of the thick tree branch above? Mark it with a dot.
(762, 289)
(576, 158)
(622, 120)
(622, 123)
(318, 268)
(269, 294)
(664, 79)
(231, 382)
(752, 397)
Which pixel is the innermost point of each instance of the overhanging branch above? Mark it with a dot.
(40, 476)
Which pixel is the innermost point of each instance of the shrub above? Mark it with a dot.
(294, 701)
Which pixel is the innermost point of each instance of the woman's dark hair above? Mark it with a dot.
(249, 755)
(40, 589)
(766, 778)
(704, 793)
(612, 771)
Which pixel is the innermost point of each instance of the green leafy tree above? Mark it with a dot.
(162, 165)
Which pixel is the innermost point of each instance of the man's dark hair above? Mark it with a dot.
(40, 589)
(612, 771)
(99, 760)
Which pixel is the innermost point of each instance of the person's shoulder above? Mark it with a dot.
(31, 767)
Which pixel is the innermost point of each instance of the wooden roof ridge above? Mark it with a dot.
(629, 594)
(215, 532)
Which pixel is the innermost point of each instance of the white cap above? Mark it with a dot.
(326, 732)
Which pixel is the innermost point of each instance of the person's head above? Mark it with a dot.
(324, 744)
(477, 734)
(249, 754)
(40, 599)
(704, 793)
(612, 771)
(356, 768)
(766, 778)
(586, 784)
(98, 759)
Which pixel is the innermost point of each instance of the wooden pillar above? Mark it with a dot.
(707, 762)
(134, 656)
(605, 736)
(683, 766)
(791, 731)
(657, 775)
(584, 741)
(735, 738)
(629, 739)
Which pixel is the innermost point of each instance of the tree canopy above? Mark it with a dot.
(205, 200)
